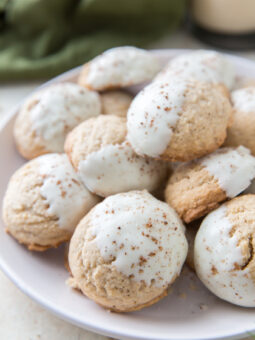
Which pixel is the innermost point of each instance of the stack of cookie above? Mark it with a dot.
(100, 160)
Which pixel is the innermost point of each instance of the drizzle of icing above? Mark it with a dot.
(153, 114)
(202, 65)
(66, 196)
(142, 236)
(122, 66)
(116, 168)
(233, 168)
(244, 99)
(217, 255)
(57, 109)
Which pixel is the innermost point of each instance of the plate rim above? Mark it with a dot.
(51, 307)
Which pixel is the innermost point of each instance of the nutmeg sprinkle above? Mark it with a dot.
(134, 237)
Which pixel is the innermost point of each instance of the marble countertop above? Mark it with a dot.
(20, 317)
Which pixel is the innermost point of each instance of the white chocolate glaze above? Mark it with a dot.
(218, 256)
(202, 65)
(244, 99)
(66, 196)
(57, 109)
(142, 236)
(233, 168)
(116, 168)
(153, 114)
(121, 66)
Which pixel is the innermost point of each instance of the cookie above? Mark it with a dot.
(49, 114)
(115, 103)
(242, 130)
(44, 202)
(178, 120)
(202, 65)
(105, 161)
(195, 188)
(224, 251)
(127, 251)
(119, 67)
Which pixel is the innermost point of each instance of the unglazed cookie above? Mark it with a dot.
(106, 163)
(224, 251)
(178, 120)
(48, 115)
(115, 103)
(127, 251)
(202, 65)
(242, 130)
(44, 202)
(119, 67)
(197, 187)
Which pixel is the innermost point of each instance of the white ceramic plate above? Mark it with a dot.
(189, 312)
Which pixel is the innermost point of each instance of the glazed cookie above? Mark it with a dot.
(44, 202)
(197, 187)
(178, 120)
(224, 251)
(202, 65)
(242, 130)
(119, 67)
(106, 163)
(127, 251)
(47, 116)
(115, 103)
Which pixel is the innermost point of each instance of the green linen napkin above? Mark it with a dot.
(41, 38)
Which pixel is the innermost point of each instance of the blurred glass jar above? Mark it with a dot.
(224, 23)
